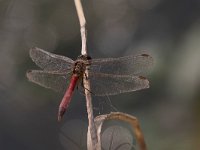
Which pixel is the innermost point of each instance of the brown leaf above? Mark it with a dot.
(114, 138)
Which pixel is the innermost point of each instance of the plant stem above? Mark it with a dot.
(92, 134)
(82, 21)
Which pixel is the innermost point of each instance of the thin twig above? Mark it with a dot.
(92, 134)
(82, 21)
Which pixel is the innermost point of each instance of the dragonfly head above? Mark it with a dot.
(84, 57)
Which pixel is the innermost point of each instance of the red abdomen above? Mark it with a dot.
(67, 97)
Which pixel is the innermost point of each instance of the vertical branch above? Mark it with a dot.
(82, 21)
(92, 134)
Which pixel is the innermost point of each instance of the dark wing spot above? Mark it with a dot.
(141, 77)
(145, 55)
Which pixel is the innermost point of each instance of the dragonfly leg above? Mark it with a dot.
(86, 77)
(89, 91)
(84, 88)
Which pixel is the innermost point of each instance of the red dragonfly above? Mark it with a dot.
(108, 76)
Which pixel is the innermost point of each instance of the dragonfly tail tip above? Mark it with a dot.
(61, 112)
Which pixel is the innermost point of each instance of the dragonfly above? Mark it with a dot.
(107, 76)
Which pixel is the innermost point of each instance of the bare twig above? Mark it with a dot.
(92, 134)
(82, 21)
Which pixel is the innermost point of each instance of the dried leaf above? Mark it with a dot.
(118, 138)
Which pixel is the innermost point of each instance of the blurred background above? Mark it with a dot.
(168, 30)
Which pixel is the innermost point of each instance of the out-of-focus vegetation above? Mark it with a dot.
(168, 30)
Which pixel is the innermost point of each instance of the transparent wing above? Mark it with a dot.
(128, 65)
(107, 84)
(53, 80)
(49, 61)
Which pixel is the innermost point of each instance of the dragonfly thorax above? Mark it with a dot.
(80, 64)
